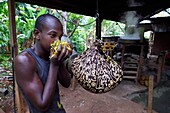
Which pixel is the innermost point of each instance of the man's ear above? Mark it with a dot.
(36, 33)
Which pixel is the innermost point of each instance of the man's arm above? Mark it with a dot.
(64, 77)
(31, 84)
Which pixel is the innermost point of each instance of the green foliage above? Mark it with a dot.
(4, 34)
(81, 33)
(5, 61)
(112, 28)
(78, 41)
(26, 15)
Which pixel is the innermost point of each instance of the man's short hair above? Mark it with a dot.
(40, 20)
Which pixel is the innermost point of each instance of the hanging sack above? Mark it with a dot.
(96, 71)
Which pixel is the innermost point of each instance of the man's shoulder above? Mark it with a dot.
(24, 57)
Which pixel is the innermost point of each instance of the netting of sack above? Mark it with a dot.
(96, 71)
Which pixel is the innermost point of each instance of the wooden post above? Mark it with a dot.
(150, 93)
(73, 82)
(140, 60)
(160, 66)
(14, 49)
(123, 52)
(161, 63)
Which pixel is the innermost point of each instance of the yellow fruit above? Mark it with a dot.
(146, 83)
(67, 45)
(142, 82)
(54, 47)
(142, 77)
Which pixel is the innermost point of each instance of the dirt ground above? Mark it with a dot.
(80, 100)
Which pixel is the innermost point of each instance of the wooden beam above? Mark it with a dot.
(14, 49)
(12, 26)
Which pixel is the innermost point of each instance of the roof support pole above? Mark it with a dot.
(98, 28)
(14, 52)
(98, 21)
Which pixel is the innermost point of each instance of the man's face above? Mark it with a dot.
(52, 30)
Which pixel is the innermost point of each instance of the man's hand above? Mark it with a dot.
(60, 52)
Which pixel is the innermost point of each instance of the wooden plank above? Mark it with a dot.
(130, 72)
(130, 67)
(150, 94)
(131, 62)
(14, 48)
(130, 77)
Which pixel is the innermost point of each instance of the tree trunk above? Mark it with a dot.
(65, 15)
(63, 18)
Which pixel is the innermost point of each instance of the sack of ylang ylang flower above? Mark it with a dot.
(96, 71)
